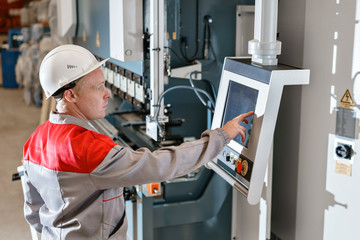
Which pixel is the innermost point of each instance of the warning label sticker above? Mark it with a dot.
(347, 100)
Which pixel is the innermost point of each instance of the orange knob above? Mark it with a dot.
(153, 188)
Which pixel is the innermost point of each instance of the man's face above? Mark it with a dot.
(92, 96)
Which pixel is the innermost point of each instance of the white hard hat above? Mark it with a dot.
(64, 65)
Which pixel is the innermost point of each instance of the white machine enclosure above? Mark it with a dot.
(66, 14)
(126, 30)
(268, 81)
(245, 15)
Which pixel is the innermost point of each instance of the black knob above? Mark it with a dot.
(343, 151)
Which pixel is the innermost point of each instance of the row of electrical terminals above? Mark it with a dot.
(126, 84)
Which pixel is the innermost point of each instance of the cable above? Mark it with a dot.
(211, 45)
(176, 55)
(183, 47)
(208, 43)
(197, 31)
(205, 42)
(161, 131)
(207, 36)
(196, 92)
(77, 18)
(212, 88)
(182, 87)
(185, 40)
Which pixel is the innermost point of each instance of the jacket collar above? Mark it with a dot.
(68, 119)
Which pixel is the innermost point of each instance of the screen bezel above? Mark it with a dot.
(263, 89)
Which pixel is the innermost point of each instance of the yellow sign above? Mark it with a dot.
(347, 100)
(343, 168)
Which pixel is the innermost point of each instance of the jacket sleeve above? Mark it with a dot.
(125, 167)
(33, 203)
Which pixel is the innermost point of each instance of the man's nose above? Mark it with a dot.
(107, 94)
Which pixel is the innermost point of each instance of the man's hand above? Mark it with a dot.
(233, 127)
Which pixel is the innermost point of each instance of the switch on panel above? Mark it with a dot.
(152, 189)
(344, 151)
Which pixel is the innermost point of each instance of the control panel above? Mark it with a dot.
(236, 164)
(245, 87)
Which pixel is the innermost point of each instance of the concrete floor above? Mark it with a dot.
(17, 122)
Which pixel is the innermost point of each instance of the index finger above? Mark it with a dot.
(244, 115)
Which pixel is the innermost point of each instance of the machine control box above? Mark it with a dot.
(245, 87)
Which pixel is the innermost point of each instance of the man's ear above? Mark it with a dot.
(69, 95)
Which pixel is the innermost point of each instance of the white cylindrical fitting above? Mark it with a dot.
(264, 47)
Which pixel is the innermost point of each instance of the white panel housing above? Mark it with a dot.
(126, 29)
(66, 15)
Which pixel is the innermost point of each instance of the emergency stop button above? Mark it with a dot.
(239, 166)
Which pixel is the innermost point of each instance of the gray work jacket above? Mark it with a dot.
(74, 176)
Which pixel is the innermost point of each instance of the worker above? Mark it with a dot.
(74, 175)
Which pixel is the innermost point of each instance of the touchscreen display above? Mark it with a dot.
(240, 99)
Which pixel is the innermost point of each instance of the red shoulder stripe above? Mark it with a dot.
(67, 147)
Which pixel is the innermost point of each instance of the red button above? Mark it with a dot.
(239, 167)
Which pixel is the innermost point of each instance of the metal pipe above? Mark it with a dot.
(264, 47)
